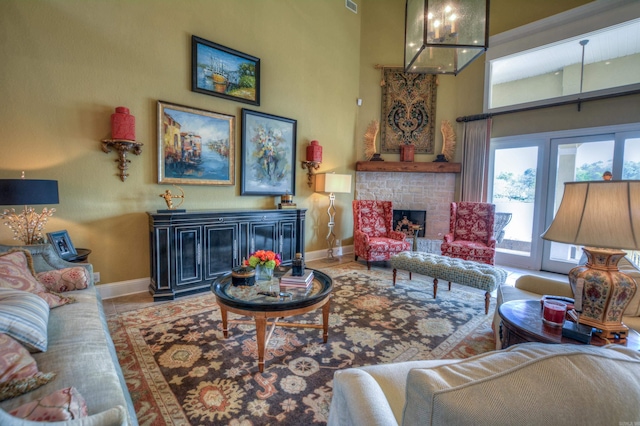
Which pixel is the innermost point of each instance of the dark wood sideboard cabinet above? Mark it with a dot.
(190, 250)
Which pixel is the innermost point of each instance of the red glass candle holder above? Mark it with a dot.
(553, 312)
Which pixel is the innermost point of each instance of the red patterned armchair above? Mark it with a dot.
(470, 234)
(374, 237)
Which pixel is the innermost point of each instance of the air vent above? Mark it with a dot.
(351, 5)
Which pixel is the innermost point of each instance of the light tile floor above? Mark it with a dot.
(135, 301)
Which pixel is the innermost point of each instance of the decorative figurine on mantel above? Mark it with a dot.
(448, 143)
(168, 198)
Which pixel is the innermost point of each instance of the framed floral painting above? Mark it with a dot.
(268, 154)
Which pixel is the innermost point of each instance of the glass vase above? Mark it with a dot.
(263, 273)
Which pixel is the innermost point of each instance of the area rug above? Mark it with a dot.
(181, 370)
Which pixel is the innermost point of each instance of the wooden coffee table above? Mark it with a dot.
(522, 322)
(252, 302)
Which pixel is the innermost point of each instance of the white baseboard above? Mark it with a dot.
(141, 285)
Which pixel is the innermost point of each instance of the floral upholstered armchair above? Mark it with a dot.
(374, 237)
(470, 234)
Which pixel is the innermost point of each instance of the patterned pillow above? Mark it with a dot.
(61, 405)
(16, 272)
(66, 279)
(18, 370)
(24, 316)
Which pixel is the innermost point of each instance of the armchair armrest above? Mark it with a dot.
(448, 238)
(491, 243)
(541, 286)
(397, 235)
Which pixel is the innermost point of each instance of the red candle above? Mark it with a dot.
(553, 312)
(123, 125)
(314, 152)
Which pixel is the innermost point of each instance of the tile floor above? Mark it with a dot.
(132, 302)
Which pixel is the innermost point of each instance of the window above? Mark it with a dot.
(565, 58)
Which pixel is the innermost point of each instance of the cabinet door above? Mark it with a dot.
(221, 249)
(287, 241)
(264, 236)
(188, 242)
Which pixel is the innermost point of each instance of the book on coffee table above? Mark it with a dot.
(292, 281)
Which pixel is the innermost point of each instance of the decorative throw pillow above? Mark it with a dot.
(61, 405)
(24, 316)
(18, 370)
(66, 279)
(16, 272)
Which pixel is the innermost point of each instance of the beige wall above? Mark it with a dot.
(67, 64)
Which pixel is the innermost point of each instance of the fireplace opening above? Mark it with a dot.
(404, 220)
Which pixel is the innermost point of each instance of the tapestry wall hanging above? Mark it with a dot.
(408, 111)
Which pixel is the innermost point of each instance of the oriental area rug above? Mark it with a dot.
(181, 370)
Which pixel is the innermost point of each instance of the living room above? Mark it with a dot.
(68, 64)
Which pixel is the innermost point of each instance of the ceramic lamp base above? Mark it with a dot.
(604, 292)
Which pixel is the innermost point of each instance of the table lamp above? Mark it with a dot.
(28, 225)
(332, 183)
(604, 216)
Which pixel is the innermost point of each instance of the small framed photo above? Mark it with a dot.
(268, 154)
(217, 70)
(62, 243)
(195, 147)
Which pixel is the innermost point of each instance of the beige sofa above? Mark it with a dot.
(533, 287)
(526, 384)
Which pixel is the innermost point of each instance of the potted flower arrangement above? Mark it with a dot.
(264, 262)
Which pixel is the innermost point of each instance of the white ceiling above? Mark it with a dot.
(613, 42)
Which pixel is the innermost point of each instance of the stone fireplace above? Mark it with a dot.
(431, 192)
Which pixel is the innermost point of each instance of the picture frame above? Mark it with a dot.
(195, 146)
(218, 70)
(268, 154)
(62, 244)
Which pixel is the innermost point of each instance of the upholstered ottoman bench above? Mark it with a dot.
(464, 272)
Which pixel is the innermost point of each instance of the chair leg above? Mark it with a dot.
(449, 285)
(435, 287)
(394, 276)
(368, 265)
(355, 257)
(487, 299)
(409, 275)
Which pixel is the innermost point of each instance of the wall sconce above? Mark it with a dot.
(123, 139)
(314, 158)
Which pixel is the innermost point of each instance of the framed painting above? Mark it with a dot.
(217, 70)
(195, 147)
(62, 244)
(408, 111)
(268, 154)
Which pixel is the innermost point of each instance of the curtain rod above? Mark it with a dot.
(477, 117)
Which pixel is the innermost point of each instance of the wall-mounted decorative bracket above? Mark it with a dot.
(122, 146)
(310, 166)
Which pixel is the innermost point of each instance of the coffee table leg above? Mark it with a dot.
(435, 287)
(225, 328)
(325, 320)
(261, 325)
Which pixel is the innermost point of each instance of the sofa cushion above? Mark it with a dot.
(116, 416)
(529, 384)
(24, 316)
(16, 272)
(63, 404)
(65, 279)
(18, 370)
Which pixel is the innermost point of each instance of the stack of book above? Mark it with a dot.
(288, 280)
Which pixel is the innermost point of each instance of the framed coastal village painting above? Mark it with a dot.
(217, 70)
(195, 147)
(268, 154)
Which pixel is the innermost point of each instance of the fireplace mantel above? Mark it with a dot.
(408, 167)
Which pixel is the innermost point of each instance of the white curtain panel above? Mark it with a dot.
(476, 136)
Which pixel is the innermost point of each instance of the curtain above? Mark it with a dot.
(476, 136)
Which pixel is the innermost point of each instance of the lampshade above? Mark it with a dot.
(14, 192)
(443, 37)
(600, 214)
(331, 182)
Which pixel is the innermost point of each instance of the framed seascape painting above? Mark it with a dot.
(195, 147)
(268, 154)
(217, 70)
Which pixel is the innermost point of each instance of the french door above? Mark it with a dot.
(517, 170)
